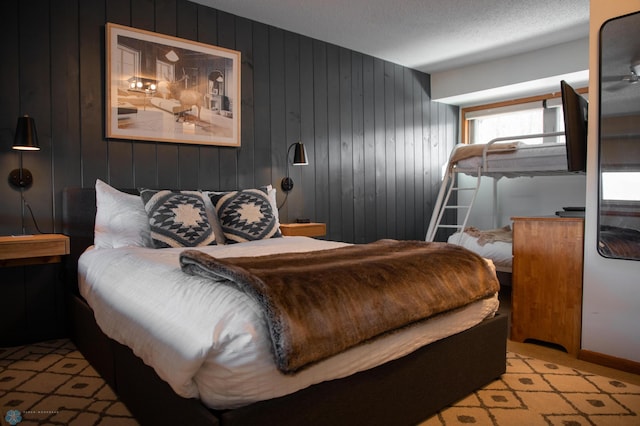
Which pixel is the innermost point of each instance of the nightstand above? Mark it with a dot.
(33, 249)
(32, 288)
(312, 229)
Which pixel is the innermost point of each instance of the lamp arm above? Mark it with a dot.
(287, 183)
(289, 155)
(286, 195)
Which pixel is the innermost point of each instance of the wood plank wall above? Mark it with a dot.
(375, 139)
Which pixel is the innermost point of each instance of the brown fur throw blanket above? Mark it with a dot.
(503, 234)
(475, 150)
(320, 303)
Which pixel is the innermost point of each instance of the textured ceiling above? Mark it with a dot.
(427, 35)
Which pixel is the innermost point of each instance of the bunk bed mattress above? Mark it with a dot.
(500, 252)
(526, 160)
(210, 341)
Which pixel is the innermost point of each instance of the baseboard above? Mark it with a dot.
(610, 361)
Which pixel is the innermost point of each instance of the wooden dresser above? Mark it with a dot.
(547, 280)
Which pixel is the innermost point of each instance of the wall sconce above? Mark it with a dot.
(26, 139)
(299, 159)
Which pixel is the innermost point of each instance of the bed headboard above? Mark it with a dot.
(78, 219)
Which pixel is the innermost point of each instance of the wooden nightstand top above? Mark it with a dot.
(32, 249)
(313, 229)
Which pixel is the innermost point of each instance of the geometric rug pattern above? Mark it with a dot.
(50, 383)
(535, 392)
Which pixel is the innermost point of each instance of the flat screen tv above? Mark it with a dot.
(575, 109)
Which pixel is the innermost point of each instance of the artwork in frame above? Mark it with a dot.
(167, 89)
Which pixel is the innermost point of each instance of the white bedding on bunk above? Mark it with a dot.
(210, 341)
(527, 160)
(499, 252)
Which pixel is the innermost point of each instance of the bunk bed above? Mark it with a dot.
(504, 157)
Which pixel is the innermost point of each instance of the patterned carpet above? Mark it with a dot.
(535, 392)
(50, 383)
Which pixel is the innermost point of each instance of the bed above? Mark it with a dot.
(420, 371)
(500, 158)
(494, 244)
(506, 157)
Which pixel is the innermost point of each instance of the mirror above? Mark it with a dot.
(619, 139)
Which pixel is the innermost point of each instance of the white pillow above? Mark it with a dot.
(121, 219)
(271, 193)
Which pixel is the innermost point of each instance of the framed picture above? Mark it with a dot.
(166, 89)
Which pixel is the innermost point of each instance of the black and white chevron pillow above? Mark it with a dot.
(178, 218)
(246, 215)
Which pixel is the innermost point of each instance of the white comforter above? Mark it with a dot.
(210, 341)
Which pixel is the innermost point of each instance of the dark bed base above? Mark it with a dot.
(401, 392)
(504, 278)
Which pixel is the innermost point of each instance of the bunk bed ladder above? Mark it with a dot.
(447, 186)
(442, 204)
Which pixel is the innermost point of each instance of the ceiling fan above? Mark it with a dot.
(619, 82)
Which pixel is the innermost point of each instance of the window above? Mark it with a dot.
(127, 63)
(542, 114)
(621, 186)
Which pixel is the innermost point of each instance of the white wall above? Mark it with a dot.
(517, 76)
(611, 292)
(523, 196)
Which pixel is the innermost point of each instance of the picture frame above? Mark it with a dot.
(167, 89)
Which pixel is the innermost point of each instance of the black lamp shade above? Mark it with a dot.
(26, 136)
(299, 159)
(300, 155)
(26, 139)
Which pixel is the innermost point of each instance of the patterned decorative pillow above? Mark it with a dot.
(246, 215)
(178, 218)
(269, 189)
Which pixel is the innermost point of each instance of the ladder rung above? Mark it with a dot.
(450, 226)
(457, 207)
(469, 188)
